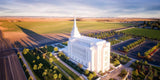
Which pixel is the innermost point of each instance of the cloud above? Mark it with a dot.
(81, 8)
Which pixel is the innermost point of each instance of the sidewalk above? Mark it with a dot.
(30, 71)
(61, 69)
(70, 68)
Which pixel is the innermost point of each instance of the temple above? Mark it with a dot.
(92, 53)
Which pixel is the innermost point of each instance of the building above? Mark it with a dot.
(92, 53)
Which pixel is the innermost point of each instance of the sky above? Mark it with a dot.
(81, 8)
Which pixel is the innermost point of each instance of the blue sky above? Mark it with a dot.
(81, 8)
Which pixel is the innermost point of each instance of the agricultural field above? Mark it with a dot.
(151, 34)
(62, 26)
(10, 67)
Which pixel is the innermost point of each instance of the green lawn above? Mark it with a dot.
(73, 75)
(149, 33)
(62, 26)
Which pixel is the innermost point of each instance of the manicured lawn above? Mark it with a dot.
(152, 34)
(73, 75)
(46, 71)
(62, 26)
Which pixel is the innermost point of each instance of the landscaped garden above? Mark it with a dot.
(77, 67)
(119, 59)
(42, 68)
(144, 71)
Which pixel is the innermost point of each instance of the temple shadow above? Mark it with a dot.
(6, 47)
(40, 40)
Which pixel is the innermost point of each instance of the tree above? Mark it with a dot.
(50, 54)
(116, 62)
(143, 68)
(60, 54)
(94, 74)
(44, 55)
(33, 61)
(155, 73)
(25, 51)
(35, 67)
(55, 76)
(38, 57)
(80, 65)
(123, 73)
(44, 73)
(60, 76)
(145, 62)
(55, 49)
(86, 72)
(50, 60)
(55, 67)
(40, 65)
(18, 53)
(136, 72)
(137, 61)
(121, 59)
(117, 56)
(20, 56)
(24, 65)
(139, 54)
(90, 76)
(30, 78)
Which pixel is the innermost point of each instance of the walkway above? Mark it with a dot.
(69, 68)
(117, 71)
(61, 69)
(30, 71)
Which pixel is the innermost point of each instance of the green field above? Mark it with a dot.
(149, 33)
(62, 26)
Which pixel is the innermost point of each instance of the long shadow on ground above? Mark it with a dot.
(40, 40)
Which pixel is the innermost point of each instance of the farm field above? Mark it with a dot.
(33, 33)
(152, 34)
(61, 26)
(10, 67)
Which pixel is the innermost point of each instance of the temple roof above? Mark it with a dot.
(75, 32)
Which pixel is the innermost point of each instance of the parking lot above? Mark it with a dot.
(142, 48)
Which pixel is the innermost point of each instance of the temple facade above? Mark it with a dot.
(92, 53)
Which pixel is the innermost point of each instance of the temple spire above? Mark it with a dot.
(75, 32)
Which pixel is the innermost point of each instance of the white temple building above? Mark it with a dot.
(92, 53)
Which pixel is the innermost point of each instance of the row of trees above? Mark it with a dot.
(24, 67)
(125, 37)
(150, 52)
(132, 45)
(151, 24)
(103, 35)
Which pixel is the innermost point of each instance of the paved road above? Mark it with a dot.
(29, 69)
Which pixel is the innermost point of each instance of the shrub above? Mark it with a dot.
(86, 72)
(123, 73)
(56, 49)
